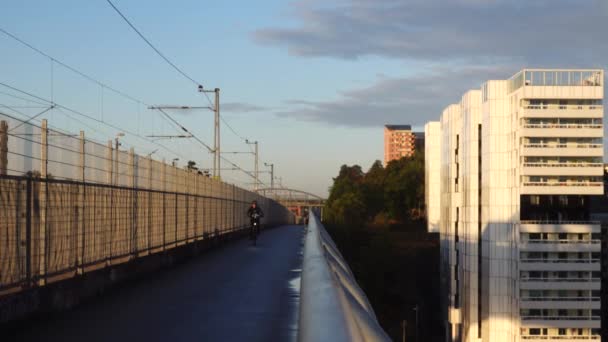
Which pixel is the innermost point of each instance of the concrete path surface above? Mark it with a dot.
(237, 292)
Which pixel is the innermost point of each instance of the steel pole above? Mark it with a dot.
(257, 173)
(216, 162)
(272, 176)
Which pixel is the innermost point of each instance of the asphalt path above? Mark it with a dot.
(237, 292)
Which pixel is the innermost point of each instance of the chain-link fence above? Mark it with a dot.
(69, 205)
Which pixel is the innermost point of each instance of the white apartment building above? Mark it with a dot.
(510, 173)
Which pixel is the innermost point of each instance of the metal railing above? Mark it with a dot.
(561, 337)
(561, 299)
(563, 241)
(332, 306)
(559, 222)
(568, 280)
(561, 318)
(583, 184)
(564, 107)
(556, 125)
(564, 164)
(563, 145)
(560, 261)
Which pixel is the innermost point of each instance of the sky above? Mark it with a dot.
(313, 81)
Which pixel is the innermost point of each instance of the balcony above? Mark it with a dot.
(563, 111)
(563, 130)
(560, 261)
(561, 338)
(563, 169)
(569, 303)
(562, 188)
(589, 284)
(538, 264)
(561, 245)
(591, 322)
(562, 150)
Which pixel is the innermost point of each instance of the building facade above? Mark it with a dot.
(516, 164)
(400, 141)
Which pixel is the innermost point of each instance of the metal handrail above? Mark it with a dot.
(550, 125)
(563, 164)
(560, 299)
(559, 222)
(563, 145)
(562, 261)
(564, 241)
(560, 337)
(563, 184)
(560, 318)
(564, 107)
(569, 280)
(332, 306)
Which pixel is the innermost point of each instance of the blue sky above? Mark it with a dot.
(313, 81)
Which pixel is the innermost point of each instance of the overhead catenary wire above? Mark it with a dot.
(82, 74)
(152, 45)
(122, 129)
(112, 89)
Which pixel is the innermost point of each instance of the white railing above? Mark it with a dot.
(561, 299)
(564, 107)
(562, 261)
(561, 318)
(564, 241)
(559, 222)
(551, 125)
(563, 145)
(563, 184)
(560, 337)
(567, 280)
(563, 165)
(332, 305)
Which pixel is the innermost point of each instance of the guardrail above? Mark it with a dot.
(333, 307)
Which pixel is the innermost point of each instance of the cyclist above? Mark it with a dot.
(255, 213)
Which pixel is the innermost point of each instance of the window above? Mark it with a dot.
(534, 331)
(535, 200)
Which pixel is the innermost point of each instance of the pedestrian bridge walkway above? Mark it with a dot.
(238, 292)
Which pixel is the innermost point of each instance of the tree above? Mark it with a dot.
(346, 204)
(373, 189)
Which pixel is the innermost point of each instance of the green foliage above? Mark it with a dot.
(394, 193)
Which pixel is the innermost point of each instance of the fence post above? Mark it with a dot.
(83, 205)
(164, 182)
(150, 225)
(3, 147)
(132, 184)
(44, 149)
(108, 210)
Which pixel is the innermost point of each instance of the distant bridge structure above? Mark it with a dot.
(297, 201)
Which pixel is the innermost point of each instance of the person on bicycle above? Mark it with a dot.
(255, 213)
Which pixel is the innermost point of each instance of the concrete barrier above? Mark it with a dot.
(333, 307)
